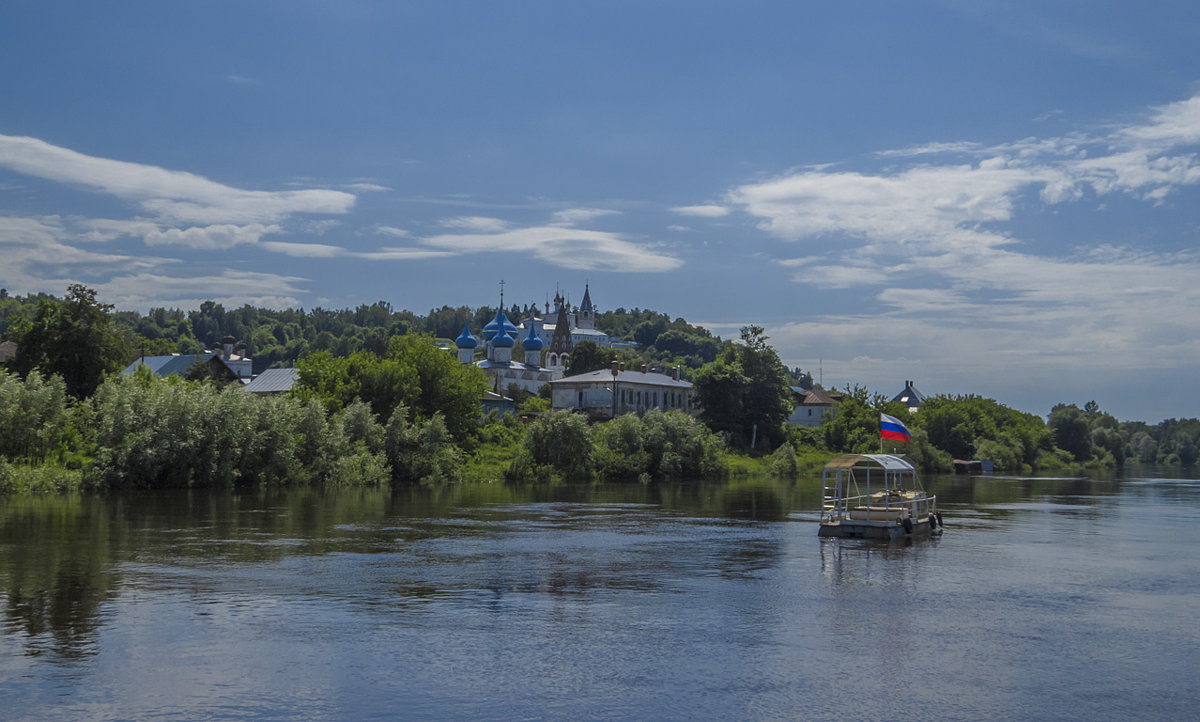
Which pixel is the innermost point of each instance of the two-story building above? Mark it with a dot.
(613, 392)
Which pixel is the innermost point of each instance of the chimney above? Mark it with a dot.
(622, 366)
(643, 368)
(615, 368)
(675, 373)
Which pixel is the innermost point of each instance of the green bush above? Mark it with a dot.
(422, 452)
(661, 445)
(560, 441)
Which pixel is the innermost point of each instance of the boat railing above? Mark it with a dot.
(879, 506)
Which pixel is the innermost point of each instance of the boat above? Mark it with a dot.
(876, 496)
(974, 467)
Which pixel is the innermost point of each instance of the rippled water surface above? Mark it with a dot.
(1044, 599)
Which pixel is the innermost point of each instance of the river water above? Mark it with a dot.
(1044, 599)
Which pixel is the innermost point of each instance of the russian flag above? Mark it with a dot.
(892, 428)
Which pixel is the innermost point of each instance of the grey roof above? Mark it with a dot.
(910, 395)
(625, 377)
(813, 397)
(174, 364)
(273, 381)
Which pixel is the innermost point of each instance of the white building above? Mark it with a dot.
(635, 392)
(813, 406)
(498, 364)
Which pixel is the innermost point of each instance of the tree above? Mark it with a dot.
(73, 338)
(1071, 431)
(414, 373)
(745, 389)
(587, 356)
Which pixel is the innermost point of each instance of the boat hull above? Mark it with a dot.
(884, 530)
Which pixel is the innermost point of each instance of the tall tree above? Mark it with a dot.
(74, 338)
(745, 392)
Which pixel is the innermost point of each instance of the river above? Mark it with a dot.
(1044, 599)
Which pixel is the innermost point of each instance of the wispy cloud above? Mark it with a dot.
(702, 211)
(303, 250)
(557, 243)
(37, 258)
(477, 224)
(170, 197)
(935, 240)
(141, 291)
(216, 237)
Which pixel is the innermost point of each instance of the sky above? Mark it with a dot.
(993, 198)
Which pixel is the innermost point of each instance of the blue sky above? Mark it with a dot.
(1000, 198)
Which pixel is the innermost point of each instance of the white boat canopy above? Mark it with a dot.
(886, 462)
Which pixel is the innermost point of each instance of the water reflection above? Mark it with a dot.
(625, 585)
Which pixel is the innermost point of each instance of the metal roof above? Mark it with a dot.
(173, 364)
(625, 377)
(273, 381)
(883, 461)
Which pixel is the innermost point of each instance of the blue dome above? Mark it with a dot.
(503, 340)
(531, 342)
(499, 322)
(465, 339)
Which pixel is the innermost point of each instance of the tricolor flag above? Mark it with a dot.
(892, 428)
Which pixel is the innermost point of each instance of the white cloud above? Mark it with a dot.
(571, 248)
(933, 238)
(210, 237)
(575, 216)
(303, 250)
(702, 211)
(172, 197)
(37, 259)
(230, 287)
(403, 254)
(392, 231)
(476, 224)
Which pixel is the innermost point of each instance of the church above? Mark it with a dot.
(557, 340)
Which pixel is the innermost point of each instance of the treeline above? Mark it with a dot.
(275, 338)
(973, 427)
(395, 408)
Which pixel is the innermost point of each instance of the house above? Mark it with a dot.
(910, 397)
(502, 405)
(273, 381)
(634, 392)
(212, 365)
(813, 406)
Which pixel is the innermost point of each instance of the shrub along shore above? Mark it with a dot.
(143, 432)
(140, 431)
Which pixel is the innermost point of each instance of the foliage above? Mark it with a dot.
(35, 418)
(27, 478)
(974, 427)
(151, 432)
(744, 390)
(1088, 434)
(496, 447)
(855, 427)
(421, 452)
(73, 338)
(661, 445)
(414, 373)
(556, 445)
(587, 356)
(783, 461)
